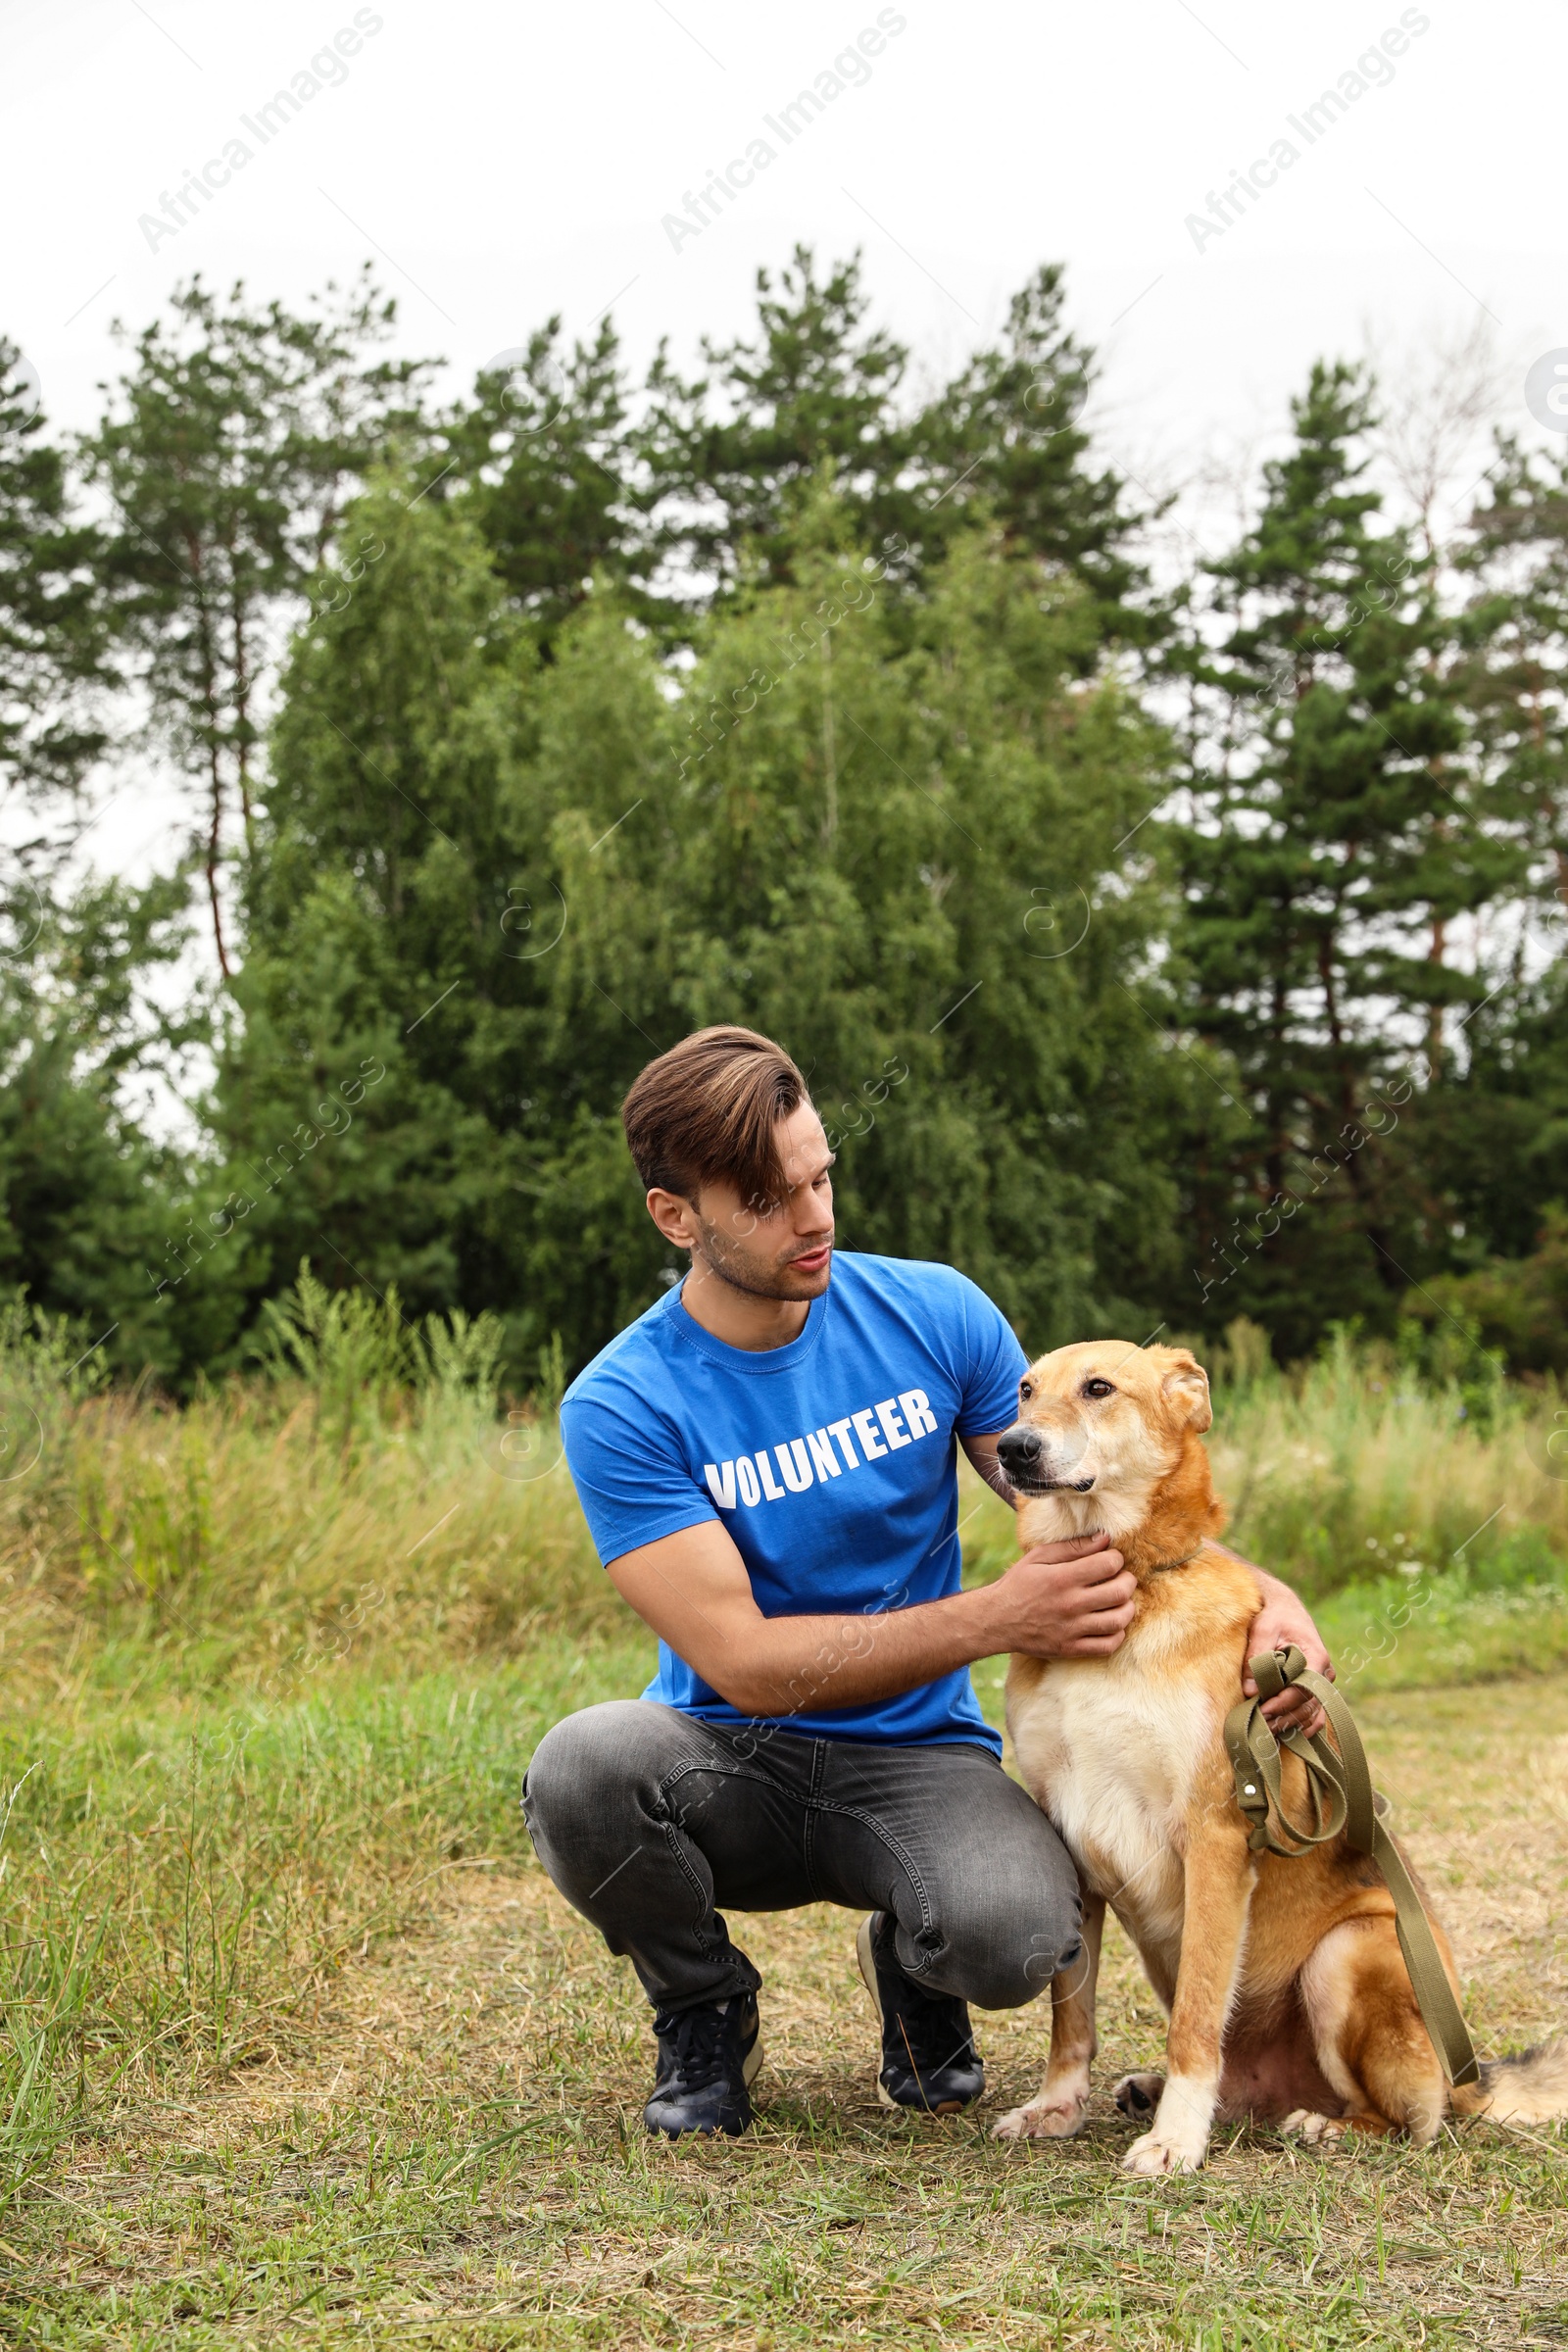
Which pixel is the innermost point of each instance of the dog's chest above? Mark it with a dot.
(1112, 1761)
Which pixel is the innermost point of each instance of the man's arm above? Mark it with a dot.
(1281, 1620)
(982, 1452)
(1062, 1600)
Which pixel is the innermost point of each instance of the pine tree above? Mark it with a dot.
(239, 435)
(729, 461)
(1005, 437)
(729, 456)
(1496, 1132)
(1516, 636)
(55, 662)
(541, 458)
(1339, 826)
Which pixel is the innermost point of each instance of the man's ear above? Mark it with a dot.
(1186, 1385)
(674, 1216)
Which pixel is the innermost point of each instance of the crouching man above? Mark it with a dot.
(767, 1462)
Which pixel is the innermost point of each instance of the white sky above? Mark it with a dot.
(499, 164)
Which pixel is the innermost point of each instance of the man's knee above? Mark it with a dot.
(1002, 1960)
(595, 1764)
(1006, 1922)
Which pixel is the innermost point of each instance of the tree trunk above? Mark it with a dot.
(214, 845)
(1435, 955)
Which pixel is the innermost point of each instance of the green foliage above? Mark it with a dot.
(1517, 1306)
(348, 1347)
(506, 884)
(1004, 439)
(730, 461)
(1516, 636)
(813, 395)
(872, 882)
(540, 463)
(86, 1201)
(238, 434)
(776, 695)
(55, 650)
(1340, 826)
(1415, 1457)
(356, 1353)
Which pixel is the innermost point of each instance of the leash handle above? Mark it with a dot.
(1349, 1767)
(1339, 1781)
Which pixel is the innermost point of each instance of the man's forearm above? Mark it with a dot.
(1270, 1588)
(1274, 1588)
(1283, 1619)
(796, 1664)
(1071, 1599)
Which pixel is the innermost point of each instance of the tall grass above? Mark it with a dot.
(1356, 1463)
(369, 1494)
(1424, 1517)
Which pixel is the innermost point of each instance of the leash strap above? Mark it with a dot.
(1338, 1783)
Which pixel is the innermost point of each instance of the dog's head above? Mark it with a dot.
(1099, 1426)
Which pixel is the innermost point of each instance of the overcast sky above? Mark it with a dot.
(498, 164)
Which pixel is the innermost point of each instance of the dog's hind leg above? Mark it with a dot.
(1057, 2112)
(1372, 2043)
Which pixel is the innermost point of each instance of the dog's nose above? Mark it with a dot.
(1018, 1450)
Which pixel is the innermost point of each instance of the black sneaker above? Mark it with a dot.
(707, 2059)
(929, 2060)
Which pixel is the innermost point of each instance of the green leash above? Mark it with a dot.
(1340, 1786)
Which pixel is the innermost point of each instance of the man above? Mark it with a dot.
(766, 1462)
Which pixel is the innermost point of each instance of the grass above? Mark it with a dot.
(438, 2141)
(299, 2045)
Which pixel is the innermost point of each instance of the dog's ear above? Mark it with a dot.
(1186, 1385)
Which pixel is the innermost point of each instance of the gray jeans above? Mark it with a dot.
(646, 1818)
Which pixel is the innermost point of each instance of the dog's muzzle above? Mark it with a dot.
(1022, 1454)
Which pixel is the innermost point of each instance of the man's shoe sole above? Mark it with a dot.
(867, 1960)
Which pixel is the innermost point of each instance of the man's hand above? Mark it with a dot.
(1065, 1601)
(1280, 1621)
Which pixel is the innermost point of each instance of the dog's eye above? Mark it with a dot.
(1097, 1388)
(1026, 1391)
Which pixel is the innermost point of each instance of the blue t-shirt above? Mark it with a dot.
(831, 1462)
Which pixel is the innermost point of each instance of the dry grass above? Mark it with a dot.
(256, 1548)
(456, 2154)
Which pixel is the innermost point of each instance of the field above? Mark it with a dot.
(301, 2046)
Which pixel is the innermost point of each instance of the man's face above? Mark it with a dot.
(781, 1251)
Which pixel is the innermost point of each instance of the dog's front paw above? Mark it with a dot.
(1138, 2095)
(1056, 2119)
(1160, 2152)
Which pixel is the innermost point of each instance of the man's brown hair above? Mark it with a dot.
(705, 1113)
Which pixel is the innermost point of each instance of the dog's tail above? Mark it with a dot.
(1530, 2088)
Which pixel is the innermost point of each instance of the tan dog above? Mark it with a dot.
(1285, 1988)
